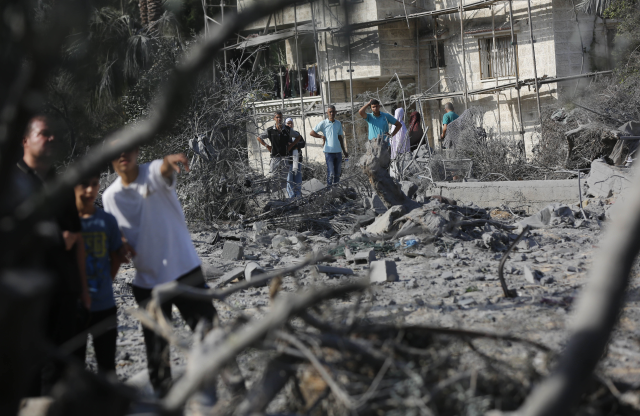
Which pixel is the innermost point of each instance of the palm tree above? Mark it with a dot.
(150, 11)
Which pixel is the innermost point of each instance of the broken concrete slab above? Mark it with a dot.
(383, 271)
(230, 276)
(232, 251)
(605, 180)
(312, 185)
(251, 270)
(384, 223)
(210, 270)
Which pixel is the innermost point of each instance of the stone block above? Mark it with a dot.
(383, 271)
(364, 257)
(232, 251)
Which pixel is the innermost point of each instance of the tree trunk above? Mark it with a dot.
(375, 164)
(143, 12)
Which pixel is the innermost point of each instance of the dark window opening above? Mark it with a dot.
(436, 57)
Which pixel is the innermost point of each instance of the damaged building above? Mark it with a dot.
(507, 58)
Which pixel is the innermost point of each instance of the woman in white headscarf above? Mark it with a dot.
(400, 142)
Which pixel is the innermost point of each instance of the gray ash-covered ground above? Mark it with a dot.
(448, 280)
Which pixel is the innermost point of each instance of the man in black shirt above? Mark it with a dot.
(65, 257)
(280, 148)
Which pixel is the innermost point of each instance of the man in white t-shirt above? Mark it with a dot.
(144, 201)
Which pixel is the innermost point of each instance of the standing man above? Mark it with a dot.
(333, 144)
(448, 117)
(66, 257)
(379, 121)
(144, 201)
(279, 137)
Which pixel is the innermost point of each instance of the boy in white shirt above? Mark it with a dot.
(144, 201)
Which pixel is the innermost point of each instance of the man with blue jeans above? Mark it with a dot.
(333, 144)
(379, 121)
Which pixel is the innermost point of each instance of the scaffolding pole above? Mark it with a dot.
(353, 123)
(464, 65)
(494, 55)
(304, 123)
(535, 70)
(315, 43)
(326, 55)
(514, 43)
(418, 53)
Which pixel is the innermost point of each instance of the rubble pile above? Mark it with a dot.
(421, 339)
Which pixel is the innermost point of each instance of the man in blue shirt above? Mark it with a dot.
(379, 121)
(448, 117)
(333, 144)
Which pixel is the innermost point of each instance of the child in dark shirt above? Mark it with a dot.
(104, 254)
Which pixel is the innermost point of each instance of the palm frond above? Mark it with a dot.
(596, 7)
(137, 54)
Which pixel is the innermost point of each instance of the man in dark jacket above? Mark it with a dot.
(64, 257)
(280, 147)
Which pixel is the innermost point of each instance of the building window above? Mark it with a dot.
(436, 57)
(503, 64)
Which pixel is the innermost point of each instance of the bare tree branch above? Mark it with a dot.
(283, 309)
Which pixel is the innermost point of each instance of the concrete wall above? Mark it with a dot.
(531, 196)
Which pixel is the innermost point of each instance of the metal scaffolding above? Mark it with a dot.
(347, 30)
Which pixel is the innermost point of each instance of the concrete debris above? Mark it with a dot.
(385, 223)
(408, 188)
(211, 271)
(364, 257)
(232, 251)
(374, 203)
(252, 270)
(230, 276)
(532, 276)
(279, 240)
(383, 271)
(212, 238)
(552, 216)
(333, 270)
(441, 199)
(605, 181)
